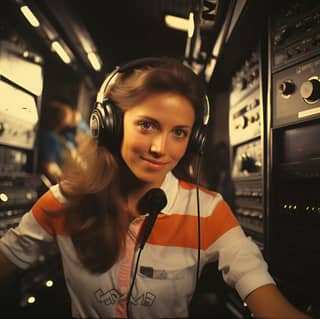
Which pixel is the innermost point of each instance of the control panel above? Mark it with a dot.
(294, 177)
(247, 160)
(296, 95)
(295, 32)
(249, 208)
(245, 118)
(18, 117)
(245, 80)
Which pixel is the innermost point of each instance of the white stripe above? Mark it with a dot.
(55, 189)
(20, 244)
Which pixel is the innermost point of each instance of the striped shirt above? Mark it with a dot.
(166, 273)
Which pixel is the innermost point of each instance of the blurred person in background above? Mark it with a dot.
(62, 130)
(53, 147)
(78, 128)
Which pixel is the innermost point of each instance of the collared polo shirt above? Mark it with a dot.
(166, 273)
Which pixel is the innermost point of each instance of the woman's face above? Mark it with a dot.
(156, 135)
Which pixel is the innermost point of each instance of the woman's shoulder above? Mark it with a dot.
(50, 211)
(192, 186)
(52, 202)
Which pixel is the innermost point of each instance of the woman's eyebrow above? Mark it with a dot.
(148, 118)
(152, 119)
(184, 126)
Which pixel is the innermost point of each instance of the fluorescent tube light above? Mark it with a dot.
(56, 46)
(181, 24)
(28, 14)
(190, 25)
(177, 23)
(94, 61)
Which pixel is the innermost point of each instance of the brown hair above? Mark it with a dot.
(98, 221)
(169, 75)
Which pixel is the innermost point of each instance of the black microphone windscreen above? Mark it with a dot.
(152, 201)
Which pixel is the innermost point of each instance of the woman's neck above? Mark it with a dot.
(133, 189)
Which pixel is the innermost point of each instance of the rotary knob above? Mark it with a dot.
(2, 128)
(310, 90)
(287, 88)
(248, 164)
(244, 121)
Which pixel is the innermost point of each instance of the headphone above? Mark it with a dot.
(106, 119)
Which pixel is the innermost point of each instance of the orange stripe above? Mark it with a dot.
(186, 185)
(49, 213)
(181, 230)
(189, 186)
(218, 223)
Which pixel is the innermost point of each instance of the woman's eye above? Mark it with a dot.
(180, 132)
(145, 125)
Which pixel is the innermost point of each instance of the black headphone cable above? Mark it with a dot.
(133, 280)
(198, 220)
(152, 202)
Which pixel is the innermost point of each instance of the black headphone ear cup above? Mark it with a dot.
(106, 125)
(197, 140)
(96, 122)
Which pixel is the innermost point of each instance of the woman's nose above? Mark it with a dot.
(158, 145)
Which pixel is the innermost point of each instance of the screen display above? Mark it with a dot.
(301, 144)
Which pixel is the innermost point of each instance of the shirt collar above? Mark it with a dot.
(170, 187)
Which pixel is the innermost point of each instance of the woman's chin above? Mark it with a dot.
(150, 178)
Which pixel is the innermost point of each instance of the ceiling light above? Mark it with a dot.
(94, 60)
(190, 25)
(56, 46)
(28, 14)
(175, 22)
(181, 24)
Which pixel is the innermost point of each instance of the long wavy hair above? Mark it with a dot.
(98, 217)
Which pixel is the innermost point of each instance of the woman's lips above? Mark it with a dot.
(154, 164)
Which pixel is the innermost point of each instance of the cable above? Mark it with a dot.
(133, 280)
(198, 220)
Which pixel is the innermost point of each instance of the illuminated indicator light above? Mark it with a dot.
(285, 206)
(308, 208)
(313, 209)
(3, 197)
(29, 196)
(290, 206)
(295, 207)
(31, 299)
(49, 283)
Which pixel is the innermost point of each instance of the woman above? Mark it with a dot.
(94, 217)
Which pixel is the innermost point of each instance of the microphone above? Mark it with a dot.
(151, 202)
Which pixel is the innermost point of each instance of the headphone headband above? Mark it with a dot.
(121, 68)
